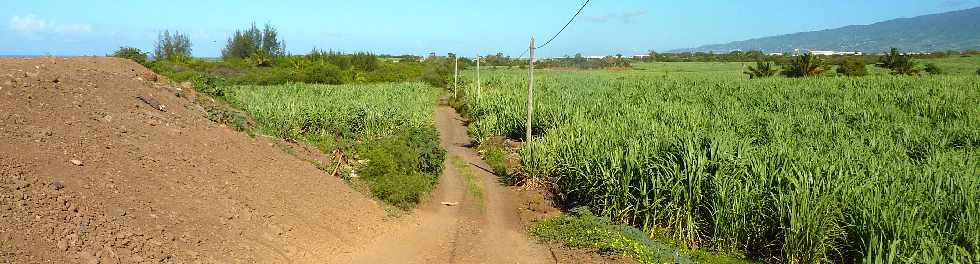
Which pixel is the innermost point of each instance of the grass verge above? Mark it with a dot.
(581, 229)
(473, 188)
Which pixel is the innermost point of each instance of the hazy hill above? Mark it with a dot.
(957, 30)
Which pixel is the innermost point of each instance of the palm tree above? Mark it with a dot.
(807, 65)
(899, 63)
(762, 69)
(888, 61)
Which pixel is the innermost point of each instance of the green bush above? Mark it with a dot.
(900, 64)
(762, 69)
(131, 53)
(323, 73)
(806, 65)
(315, 68)
(402, 168)
(978, 71)
(403, 190)
(260, 59)
(852, 67)
(933, 69)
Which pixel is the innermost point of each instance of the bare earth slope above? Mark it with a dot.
(89, 173)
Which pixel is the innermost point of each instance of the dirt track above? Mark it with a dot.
(487, 230)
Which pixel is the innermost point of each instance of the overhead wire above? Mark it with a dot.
(559, 31)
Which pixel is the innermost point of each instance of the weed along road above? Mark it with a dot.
(469, 218)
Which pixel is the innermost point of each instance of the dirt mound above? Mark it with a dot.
(100, 164)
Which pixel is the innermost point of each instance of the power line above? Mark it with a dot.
(559, 31)
(566, 24)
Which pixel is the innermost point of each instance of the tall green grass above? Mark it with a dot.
(336, 116)
(878, 169)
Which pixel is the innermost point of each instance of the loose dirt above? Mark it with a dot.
(100, 164)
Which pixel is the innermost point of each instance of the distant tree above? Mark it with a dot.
(900, 64)
(652, 55)
(852, 67)
(259, 46)
(171, 47)
(933, 69)
(806, 65)
(579, 61)
(271, 43)
(762, 69)
(131, 53)
(889, 60)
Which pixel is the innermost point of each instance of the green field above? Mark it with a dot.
(321, 113)
(958, 65)
(829, 169)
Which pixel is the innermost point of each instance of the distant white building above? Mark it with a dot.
(776, 54)
(832, 53)
(822, 52)
(595, 57)
(640, 57)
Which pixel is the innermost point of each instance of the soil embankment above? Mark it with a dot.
(101, 163)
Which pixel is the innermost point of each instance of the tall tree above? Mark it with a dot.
(254, 43)
(175, 46)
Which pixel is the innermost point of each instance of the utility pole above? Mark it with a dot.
(455, 76)
(530, 95)
(479, 91)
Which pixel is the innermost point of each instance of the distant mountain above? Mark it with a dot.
(957, 30)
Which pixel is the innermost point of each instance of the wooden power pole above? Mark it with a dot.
(479, 91)
(455, 76)
(530, 94)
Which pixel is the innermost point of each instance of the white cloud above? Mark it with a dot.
(31, 24)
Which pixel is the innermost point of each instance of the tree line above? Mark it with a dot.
(809, 65)
(257, 55)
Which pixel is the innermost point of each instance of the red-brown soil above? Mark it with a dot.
(152, 185)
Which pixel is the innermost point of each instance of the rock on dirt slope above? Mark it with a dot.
(91, 173)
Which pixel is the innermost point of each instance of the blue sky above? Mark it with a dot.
(95, 27)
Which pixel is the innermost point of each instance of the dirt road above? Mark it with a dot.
(483, 228)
